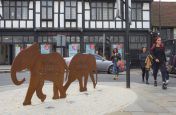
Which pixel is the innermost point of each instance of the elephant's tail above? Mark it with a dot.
(96, 77)
(66, 77)
(67, 72)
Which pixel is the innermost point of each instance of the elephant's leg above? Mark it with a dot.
(71, 78)
(61, 91)
(31, 89)
(85, 82)
(67, 85)
(39, 91)
(92, 78)
(55, 91)
(80, 83)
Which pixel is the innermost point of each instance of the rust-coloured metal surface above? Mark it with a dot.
(82, 65)
(42, 67)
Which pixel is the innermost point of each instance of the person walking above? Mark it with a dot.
(158, 54)
(115, 58)
(142, 59)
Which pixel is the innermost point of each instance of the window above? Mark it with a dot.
(136, 11)
(47, 10)
(15, 9)
(138, 41)
(70, 10)
(102, 11)
(167, 33)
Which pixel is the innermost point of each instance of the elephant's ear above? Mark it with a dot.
(33, 49)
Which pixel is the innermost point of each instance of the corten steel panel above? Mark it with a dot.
(82, 65)
(42, 67)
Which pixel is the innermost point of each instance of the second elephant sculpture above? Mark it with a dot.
(42, 67)
(82, 65)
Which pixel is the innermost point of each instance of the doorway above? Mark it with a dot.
(6, 54)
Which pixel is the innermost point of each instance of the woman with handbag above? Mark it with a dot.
(115, 58)
(142, 60)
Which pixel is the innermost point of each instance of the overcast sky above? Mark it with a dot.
(166, 0)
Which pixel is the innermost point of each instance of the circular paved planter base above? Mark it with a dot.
(103, 99)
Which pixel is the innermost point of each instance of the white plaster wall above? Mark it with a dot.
(30, 14)
(146, 24)
(50, 24)
(79, 7)
(112, 24)
(146, 15)
(99, 24)
(1, 11)
(31, 4)
(92, 24)
(87, 6)
(174, 33)
(56, 4)
(139, 24)
(61, 20)
(22, 24)
(67, 24)
(106, 24)
(146, 6)
(44, 24)
(87, 15)
(8, 24)
(29, 24)
(79, 20)
(133, 25)
(2, 24)
(37, 6)
(55, 20)
(15, 24)
(73, 24)
(61, 7)
(86, 24)
(118, 24)
(37, 23)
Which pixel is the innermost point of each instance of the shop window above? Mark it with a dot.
(7, 39)
(77, 39)
(90, 48)
(40, 39)
(18, 39)
(31, 39)
(96, 39)
(86, 38)
(50, 39)
(68, 39)
(116, 39)
(45, 39)
(73, 39)
(74, 49)
(25, 39)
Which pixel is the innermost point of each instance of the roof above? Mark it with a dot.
(167, 14)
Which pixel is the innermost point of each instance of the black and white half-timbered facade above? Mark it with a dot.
(71, 26)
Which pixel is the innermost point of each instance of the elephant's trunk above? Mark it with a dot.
(14, 78)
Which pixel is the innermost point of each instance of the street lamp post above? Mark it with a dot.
(127, 43)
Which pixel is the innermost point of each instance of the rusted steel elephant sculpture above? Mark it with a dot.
(82, 65)
(42, 67)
